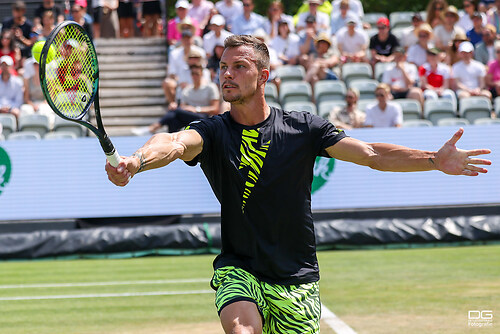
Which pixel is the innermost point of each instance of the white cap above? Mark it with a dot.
(182, 4)
(7, 59)
(466, 47)
(218, 20)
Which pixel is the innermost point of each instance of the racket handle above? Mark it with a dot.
(113, 158)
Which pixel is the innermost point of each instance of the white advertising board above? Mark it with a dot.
(66, 179)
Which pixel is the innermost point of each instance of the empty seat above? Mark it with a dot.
(301, 106)
(400, 19)
(363, 104)
(295, 91)
(60, 135)
(474, 107)
(380, 68)
(413, 123)
(273, 104)
(351, 71)
(24, 135)
(372, 18)
(487, 121)
(411, 108)
(366, 87)
(452, 122)
(328, 90)
(290, 72)
(34, 122)
(435, 110)
(9, 123)
(326, 107)
(63, 125)
(271, 92)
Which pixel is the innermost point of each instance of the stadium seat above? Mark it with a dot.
(413, 123)
(434, 110)
(452, 122)
(60, 135)
(380, 68)
(363, 104)
(24, 135)
(496, 103)
(370, 32)
(487, 121)
(2, 137)
(274, 104)
(9, 123)
(306, 106)
(34, 122)
(372, 18)
(411, 109)
(474, 107)
(328, 90)
(398, 32)
(295, 91)
(271, 92)
(290, 73)
(68, 126)
(326, 107)
(352, 71)
(400, 19)
(366, 87)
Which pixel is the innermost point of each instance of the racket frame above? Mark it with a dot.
(111, 154)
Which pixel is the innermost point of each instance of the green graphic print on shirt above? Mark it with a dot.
(252, 158)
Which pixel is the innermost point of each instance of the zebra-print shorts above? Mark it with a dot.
(284, 308)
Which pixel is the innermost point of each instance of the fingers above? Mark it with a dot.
(478, 152)
(456, 136)
(479, 162)
(120, 175)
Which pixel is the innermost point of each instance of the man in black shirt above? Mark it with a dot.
(383, 43)
(21, 28)
(259, 162)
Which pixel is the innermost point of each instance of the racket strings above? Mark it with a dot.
(71, 77)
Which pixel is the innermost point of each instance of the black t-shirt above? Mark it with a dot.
(384, 48)
(56, 9)
(262, 177)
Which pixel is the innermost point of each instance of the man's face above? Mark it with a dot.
(381, 95)
(4, 68)
(238, 74)
(248, 6)
(18, 13)
(322, 46)
(466, 55)
(477, 21)
(488, 36)
(196, 71)
(398, 57)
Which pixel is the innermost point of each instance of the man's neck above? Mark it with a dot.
(250, 114)
(382, 105)
(247, 15)
(5, 77)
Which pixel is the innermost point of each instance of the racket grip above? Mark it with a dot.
(113, 158)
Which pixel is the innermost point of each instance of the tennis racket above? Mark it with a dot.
(69, 77)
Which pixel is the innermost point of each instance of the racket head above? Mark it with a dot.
(69, 71)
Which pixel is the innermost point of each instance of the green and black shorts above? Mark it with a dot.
(284, 308)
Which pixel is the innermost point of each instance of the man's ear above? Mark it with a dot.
(264, 76)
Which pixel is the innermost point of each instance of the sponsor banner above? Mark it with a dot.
(66, 179)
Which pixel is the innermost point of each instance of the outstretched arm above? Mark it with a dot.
(394, 158)
(159, 151)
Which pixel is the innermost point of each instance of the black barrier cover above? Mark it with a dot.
(330, 233)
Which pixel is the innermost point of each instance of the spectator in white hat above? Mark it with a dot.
(468, 74)
(217, 34)
(11, 88)
(181, 11)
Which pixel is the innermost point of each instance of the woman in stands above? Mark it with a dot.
(8, 48)
(435, 9)
(493, 75)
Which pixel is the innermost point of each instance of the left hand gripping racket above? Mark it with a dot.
(69, 77)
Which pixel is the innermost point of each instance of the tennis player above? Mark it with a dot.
(259, 162)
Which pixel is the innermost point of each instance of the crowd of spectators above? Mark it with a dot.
(443, 52)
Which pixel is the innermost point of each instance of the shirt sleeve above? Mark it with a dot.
(206, 129)
(325, 134)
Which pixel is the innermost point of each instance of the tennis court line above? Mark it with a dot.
(335, 322)
(81, 284)
(108, 295)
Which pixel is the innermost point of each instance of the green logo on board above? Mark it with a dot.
(5, 169)
(323, 169)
